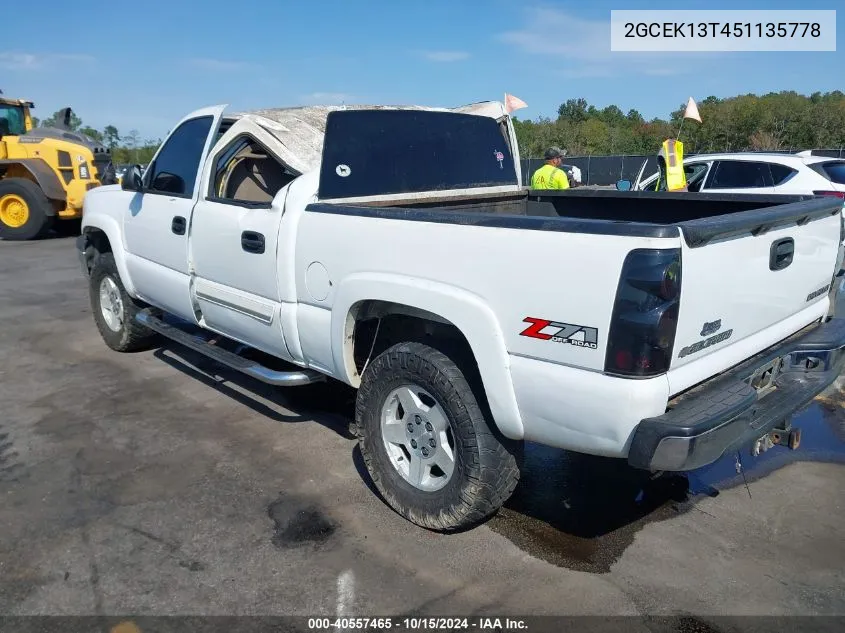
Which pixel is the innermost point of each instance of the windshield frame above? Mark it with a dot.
(8, 108)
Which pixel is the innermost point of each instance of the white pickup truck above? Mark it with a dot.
(395, 249)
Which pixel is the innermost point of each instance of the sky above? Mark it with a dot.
(145, 65)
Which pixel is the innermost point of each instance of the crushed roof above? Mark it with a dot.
(300, 130)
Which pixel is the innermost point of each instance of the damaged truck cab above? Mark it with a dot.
(395, 249)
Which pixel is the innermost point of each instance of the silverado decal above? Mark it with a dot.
(818, 293)
(708, 342)
(561, 332)
(711, 327)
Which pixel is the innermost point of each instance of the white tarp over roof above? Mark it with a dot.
(300, 130)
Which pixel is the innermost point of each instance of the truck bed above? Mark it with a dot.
(702, 217)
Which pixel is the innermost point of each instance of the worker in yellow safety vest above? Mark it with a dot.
(550, 175)
(670, 160)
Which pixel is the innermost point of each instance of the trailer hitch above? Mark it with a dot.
(780, 436)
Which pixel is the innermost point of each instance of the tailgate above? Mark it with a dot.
(745, 273)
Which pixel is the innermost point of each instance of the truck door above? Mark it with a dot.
(235, 239)
(156, 224)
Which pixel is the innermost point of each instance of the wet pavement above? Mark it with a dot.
(152, 483)
(582, 512)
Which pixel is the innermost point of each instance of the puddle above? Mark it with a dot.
(822, 440)
(582, 512)
(296, 525)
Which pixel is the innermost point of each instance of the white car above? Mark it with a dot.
(395, 249)
(793, 174)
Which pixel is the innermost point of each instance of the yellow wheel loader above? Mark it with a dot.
(45, 173)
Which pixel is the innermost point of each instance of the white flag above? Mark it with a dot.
(692, 111)
(513, 103)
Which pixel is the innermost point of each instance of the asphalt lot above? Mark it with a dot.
(142, 484)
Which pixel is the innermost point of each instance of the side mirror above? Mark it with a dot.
(623, 185)
(131, 180)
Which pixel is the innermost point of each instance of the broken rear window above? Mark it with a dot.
(376, 152)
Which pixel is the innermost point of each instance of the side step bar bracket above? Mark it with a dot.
(295, 378)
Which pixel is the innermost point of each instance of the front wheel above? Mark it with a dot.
(428, 446)
(114, 310)
(25, 212)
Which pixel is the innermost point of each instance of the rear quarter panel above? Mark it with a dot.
(547, 275)
(488, 281)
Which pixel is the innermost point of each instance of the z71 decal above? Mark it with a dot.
(545, 330)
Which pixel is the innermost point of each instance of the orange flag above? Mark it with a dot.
(513, 103)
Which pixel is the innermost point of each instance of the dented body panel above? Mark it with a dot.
(533, 288)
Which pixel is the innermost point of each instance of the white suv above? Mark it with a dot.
(760, 173)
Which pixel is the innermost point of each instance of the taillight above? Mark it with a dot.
(645, 314)
(835, 194)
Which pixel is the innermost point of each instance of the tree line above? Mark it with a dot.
(775, 121)
(126, 148)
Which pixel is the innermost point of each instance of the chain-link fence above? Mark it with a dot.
(606, 170)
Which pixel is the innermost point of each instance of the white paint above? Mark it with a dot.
(160, 285)
(484, 280)
(471, 313)
(314, 325)
(416, 196)
(804, 182)
(730, 353)
(730, 280)
(345, 596)
(233, 286)
(585, 411)
(317, 281)
(147, 234)
(104, 214)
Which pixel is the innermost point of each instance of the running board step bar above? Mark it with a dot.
(225, 357)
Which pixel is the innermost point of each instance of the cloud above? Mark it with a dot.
(327, 98)
(18, 61)
(218, 65)
(579, 48)
(444, 56)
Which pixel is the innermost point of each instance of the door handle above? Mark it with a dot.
(178, 225)
(781, 253)
(252, 242)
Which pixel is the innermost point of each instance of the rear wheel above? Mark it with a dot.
(432, 452)
(114, 310)
(24, 210)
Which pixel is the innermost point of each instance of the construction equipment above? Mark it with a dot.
(45, 172)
